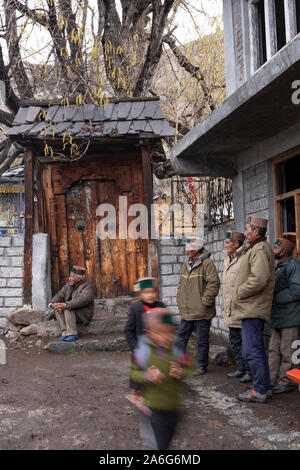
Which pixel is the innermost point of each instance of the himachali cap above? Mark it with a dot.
(78, 270)
(194, 243)
(144, 283)
(235, 236)
(257, 221)
(159, 316)
(286, 244)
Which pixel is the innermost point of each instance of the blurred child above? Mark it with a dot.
(159, 365)
(147, 288)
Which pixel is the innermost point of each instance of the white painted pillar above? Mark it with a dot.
(271, 35)
(290, 19)
(253, 33)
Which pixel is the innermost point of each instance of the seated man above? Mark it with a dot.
(75, 301)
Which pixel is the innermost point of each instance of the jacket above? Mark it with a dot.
(134, 327)
(254, 287)
(286, 301)
(197, 290)
(230, 273)
(79, 298)
(166, 395)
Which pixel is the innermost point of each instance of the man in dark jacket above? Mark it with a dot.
(75, 301)
(285, 317)
(198, 287)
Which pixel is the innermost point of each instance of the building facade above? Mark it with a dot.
(253, 136)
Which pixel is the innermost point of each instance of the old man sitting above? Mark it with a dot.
(73, 303)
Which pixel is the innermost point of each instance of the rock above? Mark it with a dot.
(62, 347)
(50, 315)
(29, 330)
(38, 343)
(25, 316)
(219, 354)
(48, 328)
(12, 335)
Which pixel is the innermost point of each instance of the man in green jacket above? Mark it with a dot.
(252, 302)
(198, 287)
(285, 316)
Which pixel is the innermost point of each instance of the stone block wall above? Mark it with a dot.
(172, 256)
(11, 275)
(256, 190)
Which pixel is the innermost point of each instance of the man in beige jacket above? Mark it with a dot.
(234, 251)
(252, 303)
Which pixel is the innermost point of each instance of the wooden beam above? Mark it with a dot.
(297, 220)
(147, 183)
(29, 194)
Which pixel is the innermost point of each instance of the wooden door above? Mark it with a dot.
(71, 197)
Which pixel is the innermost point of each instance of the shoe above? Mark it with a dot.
(200, 371)
(283, 388)
(252, 396)
(246, 378)
(62, 338)
(71, 338)
(236, 375)
(269, 394)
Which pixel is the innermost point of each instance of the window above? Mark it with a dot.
(262, 47)
(287, 199)
(280, 24)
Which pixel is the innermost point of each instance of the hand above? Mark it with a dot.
(154, 375)
(176, 371)
(59, 306)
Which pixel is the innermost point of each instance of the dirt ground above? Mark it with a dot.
(77, 401)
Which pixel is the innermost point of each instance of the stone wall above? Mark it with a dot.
(172, 256)
(256, 190)
(11, 275)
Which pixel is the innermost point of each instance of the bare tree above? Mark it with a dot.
(86, 51)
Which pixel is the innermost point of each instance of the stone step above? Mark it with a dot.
(87, 345)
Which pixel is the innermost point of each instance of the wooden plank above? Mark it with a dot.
(62, 239)
(277, 208)
(75, 208)
(40, 197)
(105, 246)
(29, 193)
(94, 254)
(289, 195)
(147, 183)
(297, 217)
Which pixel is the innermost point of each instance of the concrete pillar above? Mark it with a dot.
(290, 19)
(271, 35)
(41, 274)
(253, 33)
(229, 48)
(246, 38)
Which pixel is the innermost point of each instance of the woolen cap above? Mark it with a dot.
(79, 270)
(253, 220)
(286, 244)
(235, 236)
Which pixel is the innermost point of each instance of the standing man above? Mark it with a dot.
(234, 252)
(74, 302)
(252, 303)
(199, 285)
(285, 316)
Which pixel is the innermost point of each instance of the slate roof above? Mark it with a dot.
(126, 118)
